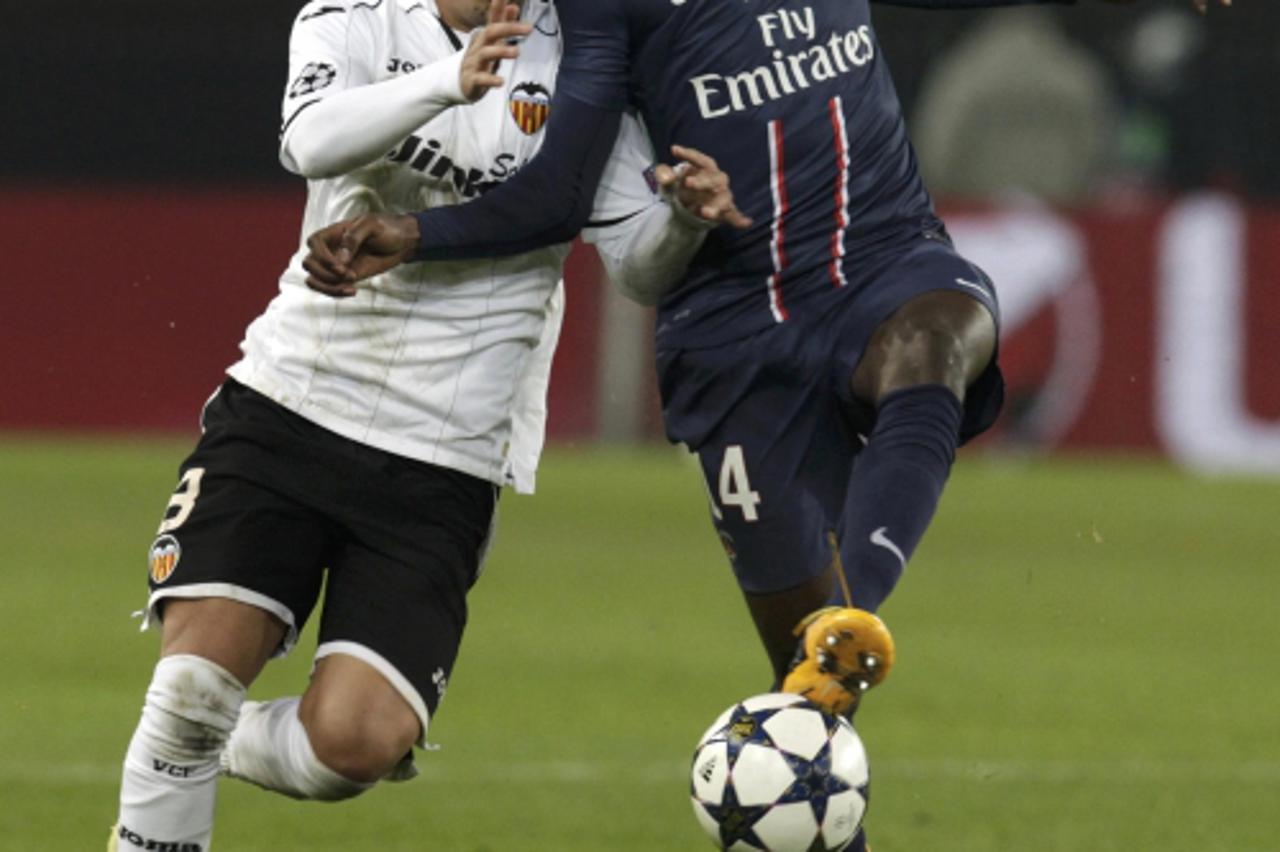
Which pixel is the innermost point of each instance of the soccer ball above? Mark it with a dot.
(776, 773)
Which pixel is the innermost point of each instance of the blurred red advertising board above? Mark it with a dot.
(1147, 327)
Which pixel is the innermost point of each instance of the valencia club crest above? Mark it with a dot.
(163, 558)
(530, 103)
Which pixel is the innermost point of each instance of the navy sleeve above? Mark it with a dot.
(549, 200)
(967, 4)
(546, 202)
(595, 67)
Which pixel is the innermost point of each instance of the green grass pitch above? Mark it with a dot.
(1088, 659)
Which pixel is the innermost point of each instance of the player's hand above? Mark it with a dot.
(355, 249)
(488, 47)
(698, 184)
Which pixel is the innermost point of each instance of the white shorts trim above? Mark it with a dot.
(227, 591)
(398, 681)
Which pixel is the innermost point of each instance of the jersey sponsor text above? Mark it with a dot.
(791, 70)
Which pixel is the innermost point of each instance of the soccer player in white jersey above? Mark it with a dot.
(367, 437)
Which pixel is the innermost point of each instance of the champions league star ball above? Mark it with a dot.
(776, 773)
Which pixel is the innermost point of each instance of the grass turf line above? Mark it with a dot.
(1086, 661)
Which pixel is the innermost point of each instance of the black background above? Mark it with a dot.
(173, 90)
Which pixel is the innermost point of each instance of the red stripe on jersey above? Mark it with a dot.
(777, 248)
(836, 108)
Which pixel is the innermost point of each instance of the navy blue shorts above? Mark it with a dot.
(774, 423)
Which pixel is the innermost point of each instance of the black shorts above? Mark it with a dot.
(269, 500)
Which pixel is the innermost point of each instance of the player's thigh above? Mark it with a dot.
(397, 587)
(239, 637)
(929, 316)
(941, 337)
(359, 723)
(774, 505)
(772, 511)
(236, 568)
(774, 444)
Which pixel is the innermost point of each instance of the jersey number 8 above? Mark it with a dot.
(183, 501)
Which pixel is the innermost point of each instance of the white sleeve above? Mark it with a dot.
(645, 241)
(336, 118)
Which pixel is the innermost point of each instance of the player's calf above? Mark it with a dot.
(271, 748)
(359, 724)
(350, 730)
(942, 337)
(365, 749)
(843, 652)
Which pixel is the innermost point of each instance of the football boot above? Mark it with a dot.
(843, 652)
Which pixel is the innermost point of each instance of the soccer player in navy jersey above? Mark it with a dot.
(824, 361)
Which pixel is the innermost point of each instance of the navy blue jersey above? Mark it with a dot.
(795, 102)
(793, 99)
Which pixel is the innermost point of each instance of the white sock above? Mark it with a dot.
(270, 748)
(171, 768)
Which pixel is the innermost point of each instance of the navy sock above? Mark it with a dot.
(895, 487)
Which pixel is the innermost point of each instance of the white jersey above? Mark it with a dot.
(446, 362)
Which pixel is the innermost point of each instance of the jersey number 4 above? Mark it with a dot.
(734, 487)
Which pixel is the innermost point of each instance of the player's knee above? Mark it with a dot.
(358, 744)
(947, 344)
(915, 354)
(192, 705)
